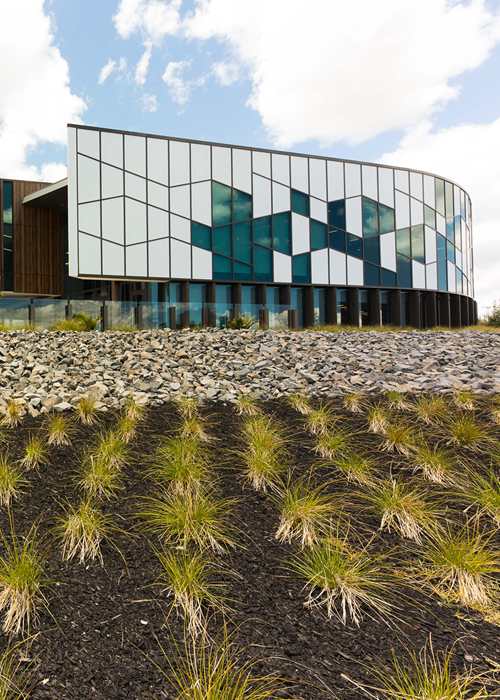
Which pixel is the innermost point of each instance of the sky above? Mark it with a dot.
(403, 82)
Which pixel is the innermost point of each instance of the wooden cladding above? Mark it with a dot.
(38, 244)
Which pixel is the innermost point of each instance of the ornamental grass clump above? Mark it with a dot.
(12, 481)
(134, 410)
(182, 464)
(333, 444)
(126, 427)
(109, 446)
(461, 566)
(465, 399)
(431, 409)
(378, 419)
(263, 456)
(86, 410)
(399, 438)
(188, 577)
(354, 402)
(99, 477)
(81, 530)
(16, 677)
(12, 415)
(300, 402)
(319, 420)
(197, 518)
(187, 406)
(246, 405)
(305, 513)
(436, 464)
(344, 580)
(35, 454)
(402, 507)
(194, 427)
(465, 431)
(483, 494)
(59, 429)
(397, 400)
(356, 468)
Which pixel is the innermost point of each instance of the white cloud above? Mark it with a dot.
(179, 88)
(225, 73)
(36, 101)
(152, 18)
(106, 71)
(141, 70)
(466, 155)
(149, 103)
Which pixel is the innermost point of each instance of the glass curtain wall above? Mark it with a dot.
(298, 299)
(8, 247)
(342, 307)
(319, 306)
(385, 307)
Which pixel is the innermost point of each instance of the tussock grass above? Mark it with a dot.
(483, 495)
(199, 519)
(126, 427)
(263, 455)
(320, 420)
(12, 481)
(305, 513)
(465, 431)
(356, 468)
(343, 580)
(109, 446)
(12, 415)
(246, 405)
(333, 444)
(378, 419)
(436, 463)
(195, 427)
(354, 402)
(16, 677)
(402, 507)
(99, 477)
(35, 454)
(134, 410)
(461, 565)
(431, 409)
(397, 400)
(86, 410)
(59, 429)
(81, 529)
(399, 438)
(189, 578)
(465, 400)
(182, 464)
(300, 402)
(187, 406)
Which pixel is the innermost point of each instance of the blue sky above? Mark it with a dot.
(414, 84)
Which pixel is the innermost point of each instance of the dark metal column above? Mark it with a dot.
(395, 307)
(211, 300)
(431, 308)
(261, 294)
(455, 315)
(374, 307)
(236, 310)
(353, 306)
(286, 295)
(464, 311)
(331, 306)
(414, 298)
(444, 308)
(184, 289)
(308, 307)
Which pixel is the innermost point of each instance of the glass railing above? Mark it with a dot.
(14, 313)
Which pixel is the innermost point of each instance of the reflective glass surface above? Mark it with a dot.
(221, 204)
(403, 241)
(448, 191)
(336, 214)
(337, 239)
(282, 233)
(388, 278)
(319, 235)
(440, 197)
(7, 202)
(242, 206)
(450, 229)
(450, 251)
(201, 235)
(242, 241)
(222, 240)
(242, 272)
(442, 277)
(429, 217)
(301, 268)
(386, 219)
(459, 281)
(372, 250)
(263, 264)
(354, 246)
(458, 233)
(417, 243)
(342, 306)
(441, 247)
(223, 268)
(262, 231)
(300, 203)
(404, 271)
(372, 275)
(370, 217)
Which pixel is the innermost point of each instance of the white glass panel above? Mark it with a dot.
(137, 260)
(180, 200)
(335, 171)
(261, 196)
(317, 177)
(458, 261)
(113, 259)
(281, 168)
(388, 251)
(300, 176)
(135, 221)
(202, 264)
(180, 228)
(157, 223)
(352, 180)
(354, 216)
(354, 271)
(456, 199)
(262, 163)
(89, 218)
(452, 277)
(429, 191)
(180, 259)
(337, 267)
(418, 275)
(416, 186)
(89, 258)
(112, 148)
(179, 163)
(301, 241)
(88, 142)
(417, 212)
(135, 187)
(221, 164)
(319, 267)
(157, 195)
(158, 160)
(72, 203)
(242, 170)
(402, 210)
(441, 224)
(282, 268)
(430, 245)
(318, 210)
(135, 154)
(159, 259)
(200, 162)
(202, 202)
(369, 177)
(432, 277)
(112, 181)
(112, 220)
(88, 179)
(401, 180)
(386, 187)
(281, 198)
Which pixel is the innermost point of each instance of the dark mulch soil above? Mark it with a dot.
(101, 635)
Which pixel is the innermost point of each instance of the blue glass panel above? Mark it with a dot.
(442, 277)
(221, 204)
(337, 239)
(242, 206)
(263, 264)
(300, 203)
(223, 268)
(370, 217)
(354, 246)
(450, 229)
(242, 238)
(262, 231)
(417, 243)
(7, 202)
(441, 247)
(403, 241)
(440, 197)
(319, 235)
(386, 219)
(201, 235)
(388, 278)
(222, 240)
(301, 268)
(336, 214)
(242, 272)
(450, 251)
(282, 237)
(429, 217)
(372, 275)
(459, 281)
(404, 271)
(457, 234)
(372, 250)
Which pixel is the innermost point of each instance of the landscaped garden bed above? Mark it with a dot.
(339, 537)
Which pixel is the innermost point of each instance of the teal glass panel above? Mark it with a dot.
(354, 246)
(372, 275)
(223, 268)
(319, 235)
(403, 241)
(262, 231)
(301, 268)
(404, 271)
(300, 203)
(450, 251)
(441, 247)
(242, 272)
(7, 202)
(417, 243)
(448, 192)
(201, 235)
(282, 236)
(429, 217)
(450, 229)
(8, 258)
(336, 239)
(221, 204)
(370, 217)
(336, 214)
(242, 242)
(459, 281)
(386, 219)
(263, 264)
(222, 240)
(440, 197)
(388, 277)
(372, 250)
(242, 206)
(442, 275)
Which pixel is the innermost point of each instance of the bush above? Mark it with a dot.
(244, 321)
(494, 318)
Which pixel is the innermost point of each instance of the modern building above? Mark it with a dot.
(156, 219)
